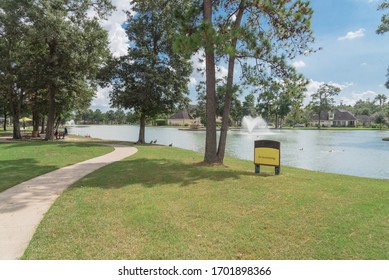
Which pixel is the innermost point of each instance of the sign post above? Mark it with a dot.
(267, 152)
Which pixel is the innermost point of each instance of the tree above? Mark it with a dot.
(120, 116)
(276, 100)
(322, 99)
(248, 106)
(258, 34)
(381, 98)
(384, 26)
(380, 119)
(365, 107)
(110, 116)
(68, 47)
(152, 79)
(219, 101)
(3, 109)
(98, 116)
(14, 26)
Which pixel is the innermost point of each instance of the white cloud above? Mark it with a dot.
(221, 72)
(313, 86)
(118, 44)
(358, 96)
(198, 62)
(101, 100)
(192, 81)
(116, 34)
(353, 35)
(299, 64)
(364, 95)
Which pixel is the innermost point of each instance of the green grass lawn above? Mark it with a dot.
(20, 161)
(161, 204)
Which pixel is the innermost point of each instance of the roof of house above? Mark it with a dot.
(183, 114)
(340, 115)
(343, 115)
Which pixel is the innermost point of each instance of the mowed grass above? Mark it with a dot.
(161, 204)
(21, 161)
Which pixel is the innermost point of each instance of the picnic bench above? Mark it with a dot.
(60, 134)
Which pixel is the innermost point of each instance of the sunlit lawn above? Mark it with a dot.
(161, 204)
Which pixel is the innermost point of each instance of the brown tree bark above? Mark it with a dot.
(229, 92)
(5, 121)
(14, 108)
(142, 127)
(51, 114)
(210, 155)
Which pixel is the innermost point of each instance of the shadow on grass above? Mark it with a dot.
(20, 170)
(158, 172)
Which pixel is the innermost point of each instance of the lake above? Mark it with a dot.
(352, 152)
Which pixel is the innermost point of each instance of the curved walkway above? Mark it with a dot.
(23, 206)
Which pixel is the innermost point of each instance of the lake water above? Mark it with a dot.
(352, 152)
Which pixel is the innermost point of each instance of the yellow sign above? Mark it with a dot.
(267, 156)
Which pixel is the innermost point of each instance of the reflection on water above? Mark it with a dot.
(360, 153)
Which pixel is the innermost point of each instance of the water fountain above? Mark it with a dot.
(250, 123)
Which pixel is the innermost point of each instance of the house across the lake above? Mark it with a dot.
(335, 118)
(183, 118)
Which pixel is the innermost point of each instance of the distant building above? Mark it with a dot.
(335, 118)
(182, 118)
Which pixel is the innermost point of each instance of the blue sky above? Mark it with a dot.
(353, 56)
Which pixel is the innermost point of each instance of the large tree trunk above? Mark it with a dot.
(5, 120)
(14, 108)
(16, 127)
(51, 114)
(142, 128)
(229, 93)
(319, 120)
(210, 155)
(43, 125)
(35, 120)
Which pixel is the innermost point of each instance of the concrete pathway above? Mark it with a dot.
(23, 206)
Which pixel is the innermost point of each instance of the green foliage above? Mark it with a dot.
(261, 35)
(323, 99)
(276, 100)
(380, 119)
(384, 26)
(248, 106)
(55, 49)
(152, 79)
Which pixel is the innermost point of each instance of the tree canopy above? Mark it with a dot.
(323, 98)
(152, 79)
(261, 35)
(54, 50)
